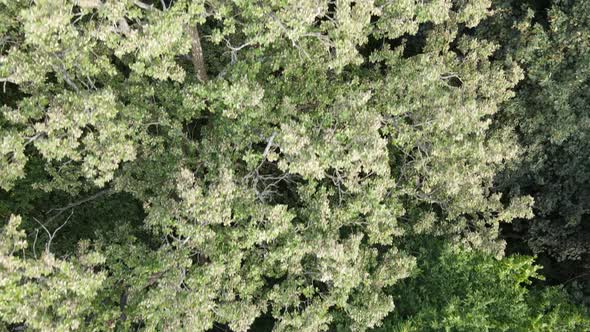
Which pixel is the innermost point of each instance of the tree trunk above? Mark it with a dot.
(198, 59)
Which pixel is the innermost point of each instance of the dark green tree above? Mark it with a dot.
(551, 42)
(458, 290)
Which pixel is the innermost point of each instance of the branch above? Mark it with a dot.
(197, 52)
(288, 34)
(6, 80)
(49, 234)
(583, 275)
(35, 243)
(123, 303)
(234, 50)
(269, 145)
(142, 5)
(77, 203)
(64, 73)
(255, 173)
(451, 75)
(154, 277)
(57, 229)
(34, 138)
(82, 201)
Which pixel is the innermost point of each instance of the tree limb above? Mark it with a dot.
(5, 80)
(143, 5)
(34, 138)
(51, 235)
(269, 145)
(77, 203)
(66, 78)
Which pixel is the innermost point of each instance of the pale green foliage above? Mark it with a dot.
(440, 133)
(12, 160)
(270, 245)
(48, 293)
(99, 151)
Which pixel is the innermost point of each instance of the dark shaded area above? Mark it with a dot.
(541, 8)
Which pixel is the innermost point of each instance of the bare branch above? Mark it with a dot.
(123, 303)
(123, 27)
(235, 49)
(49, 234)
(5, 80)
(337, 181)
(154, 277)
(82, 201)
(77, 203)
(269, 145)
(65, 76)
(264, 155)
(57, 229)
(34, 138)
(45, 229)
(35, 243)
(451, 75)
(142, 5)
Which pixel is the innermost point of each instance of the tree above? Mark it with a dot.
(457, 290)
(281, 152)
(551, 116)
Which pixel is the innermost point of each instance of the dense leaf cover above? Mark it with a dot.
(294, 165)
(550, 114)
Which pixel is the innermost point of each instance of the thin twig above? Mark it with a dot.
(57, 229)
(577, 277)
(282, 26)
(66, 78)
(44, 228)
(35, 243)
(235, 49)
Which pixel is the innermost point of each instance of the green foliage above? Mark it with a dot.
(458, 290)
(284, 186)
(48, 293)
(551, 115)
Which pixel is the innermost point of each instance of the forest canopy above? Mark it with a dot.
(294, 165)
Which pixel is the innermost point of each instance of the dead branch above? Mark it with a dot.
(5, 80)
(52, 235)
